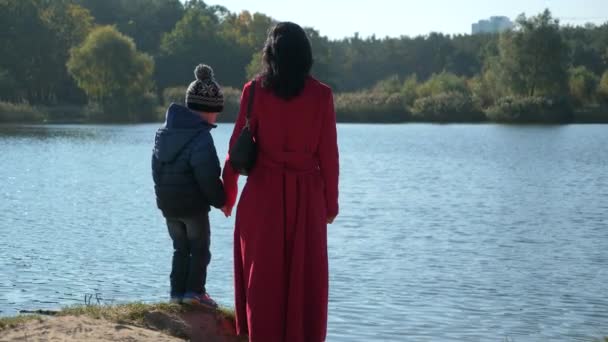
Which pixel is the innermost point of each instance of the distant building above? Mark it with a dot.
(493, 25)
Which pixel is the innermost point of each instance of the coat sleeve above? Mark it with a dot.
(329, 155)
(206, 167)
(230, 176)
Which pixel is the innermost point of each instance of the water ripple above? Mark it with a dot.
(446, 233)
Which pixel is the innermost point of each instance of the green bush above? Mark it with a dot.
(110, 70)
(583, 85)
(21, 113)
(409, 91)
(443, 83)
(370, 107)
(532, 109)
(602, 88)
(486, 87)
(447, 107)
(389, 85)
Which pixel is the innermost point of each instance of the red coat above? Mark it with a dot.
(280, 238)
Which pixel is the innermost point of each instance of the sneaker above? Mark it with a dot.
(175, 300)
(199, 299)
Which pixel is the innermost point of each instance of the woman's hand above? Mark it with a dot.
(330, 220)
(227, 211)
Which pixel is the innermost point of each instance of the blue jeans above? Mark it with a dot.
(191, 255)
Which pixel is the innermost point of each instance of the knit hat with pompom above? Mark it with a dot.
(205, 94)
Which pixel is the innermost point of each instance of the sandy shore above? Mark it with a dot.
(84, 329)
(130, 322)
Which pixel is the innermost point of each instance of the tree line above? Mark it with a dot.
(119, 60)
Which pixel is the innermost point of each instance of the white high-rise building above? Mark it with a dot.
(493, 25)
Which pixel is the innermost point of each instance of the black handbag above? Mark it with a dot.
(244, 152)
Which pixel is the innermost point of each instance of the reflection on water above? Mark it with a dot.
(47, 132)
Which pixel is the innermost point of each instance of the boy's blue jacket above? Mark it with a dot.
(185, 166)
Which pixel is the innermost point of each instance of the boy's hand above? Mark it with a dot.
(330, 220)
(227, 211)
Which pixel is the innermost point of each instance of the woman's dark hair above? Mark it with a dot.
(287, 60)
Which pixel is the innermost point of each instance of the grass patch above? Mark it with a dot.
(136, 314)
(132, 313)
(124, 313)
(11, 322)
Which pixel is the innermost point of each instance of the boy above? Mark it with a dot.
(187, 182)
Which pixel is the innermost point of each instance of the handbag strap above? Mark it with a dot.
(250, 102)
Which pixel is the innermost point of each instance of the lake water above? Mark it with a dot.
(446, 233)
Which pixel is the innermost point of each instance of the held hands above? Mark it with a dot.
(227, 211)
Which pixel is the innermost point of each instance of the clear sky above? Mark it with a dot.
(341, 18)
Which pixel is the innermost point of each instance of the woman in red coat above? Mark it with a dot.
(280, 238)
